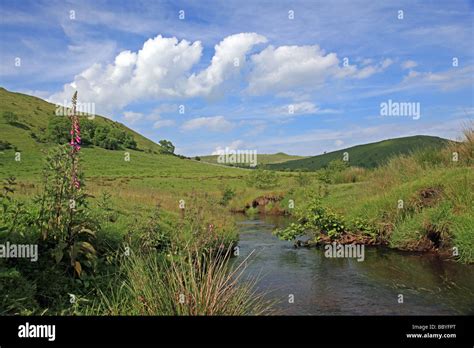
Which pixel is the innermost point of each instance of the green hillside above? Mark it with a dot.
(262, 159)
(368, 155)
(33, 116)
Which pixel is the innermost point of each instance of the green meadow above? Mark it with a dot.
(150, 225)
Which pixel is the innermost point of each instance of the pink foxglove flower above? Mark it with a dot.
(75, 143)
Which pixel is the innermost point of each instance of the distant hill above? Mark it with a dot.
(262, 159)
(367, 155)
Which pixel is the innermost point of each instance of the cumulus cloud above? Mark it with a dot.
(160, 69)
(156, 70)
(285, 68)
(214, 123)
(163, 68)
(228, 59)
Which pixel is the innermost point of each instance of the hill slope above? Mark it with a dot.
(34, 114)
(367, 155)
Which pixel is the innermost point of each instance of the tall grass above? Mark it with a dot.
(196, 283)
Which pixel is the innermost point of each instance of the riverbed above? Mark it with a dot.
(305, 282)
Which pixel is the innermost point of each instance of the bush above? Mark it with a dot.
(263, 179)
(58, 130)
(91, 134)
(302, 179)
(227, 195)
(317, 219)
(5, 145)
(10, 117)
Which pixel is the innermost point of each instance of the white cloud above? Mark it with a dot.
(132, 117)
(229, 51)
(163, 123)
(445, 80)
(301, 108)
(369, 70)
(408, 64)
(285, 68)
(159, 70)
(235, 145)
(215, 123)
(162, 69)
(156, 70)
(155, 114)
(305, 108)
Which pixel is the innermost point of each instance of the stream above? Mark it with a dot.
(342, 286)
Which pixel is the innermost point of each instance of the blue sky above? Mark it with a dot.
(239, 67)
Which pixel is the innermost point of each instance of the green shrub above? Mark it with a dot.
(10, 117)
(263, 179)
(227, 196)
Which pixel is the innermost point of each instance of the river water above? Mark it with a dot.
(305, 282)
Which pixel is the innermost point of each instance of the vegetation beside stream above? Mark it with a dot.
(420, 202)
(154, 219)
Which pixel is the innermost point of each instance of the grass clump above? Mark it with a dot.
(193, 283)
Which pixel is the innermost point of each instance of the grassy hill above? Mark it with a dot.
(33, 117)
(262, 159)
(149, 177)
(367, 156)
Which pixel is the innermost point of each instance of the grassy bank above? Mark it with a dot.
(421, 201)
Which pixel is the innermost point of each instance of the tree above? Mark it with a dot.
(87, 131)
(10, 117)
(129, 142)
(58, 130)
(167, 146)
